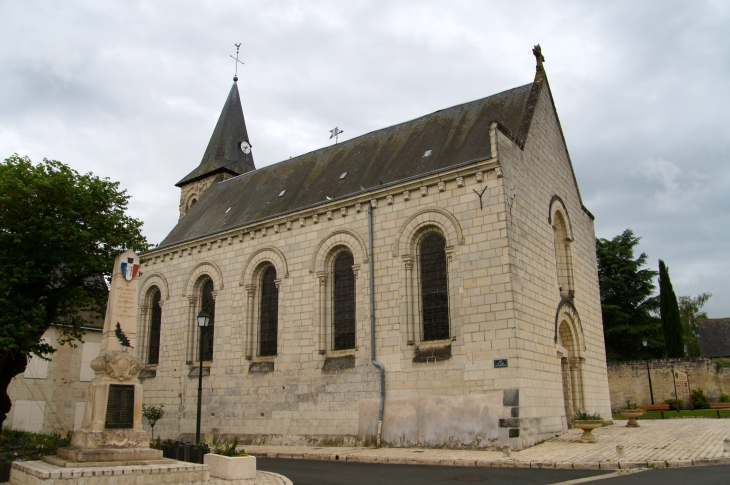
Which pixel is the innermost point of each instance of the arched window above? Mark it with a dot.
(563, 256)
(208, 304)
(153, 355)
(344, 301)
(192, 203)
(269, 312)
(434, 287)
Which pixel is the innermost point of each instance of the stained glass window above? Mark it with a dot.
(269, 312)
(153, 356)
(344, 302)
(434, 287)
(207, 333)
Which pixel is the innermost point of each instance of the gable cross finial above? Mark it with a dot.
(537, 52)
(238, 46)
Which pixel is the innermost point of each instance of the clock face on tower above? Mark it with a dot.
(245, 147)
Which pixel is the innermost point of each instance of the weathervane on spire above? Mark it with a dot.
(238, 46)
(336, 133)
(537, 52)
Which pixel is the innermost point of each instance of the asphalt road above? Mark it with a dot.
(313, 472)
(692, 475)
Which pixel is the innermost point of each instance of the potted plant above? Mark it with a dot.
(587, 422)
(228, 463)
(631, 411)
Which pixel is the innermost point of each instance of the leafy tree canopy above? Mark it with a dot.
(690, 313)
(59, 234)
(627, 302)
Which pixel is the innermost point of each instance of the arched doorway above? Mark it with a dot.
(570, 367)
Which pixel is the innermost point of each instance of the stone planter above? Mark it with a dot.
(231, 468)
(631, 414)
(587, 427)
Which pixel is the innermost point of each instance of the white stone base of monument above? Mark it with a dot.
(231, 468)
(62, 462)
(43, 473)
(110, 445)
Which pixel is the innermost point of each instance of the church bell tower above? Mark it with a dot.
(228, 153)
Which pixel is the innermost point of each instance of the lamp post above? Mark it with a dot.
(203, 320)
(645, 343)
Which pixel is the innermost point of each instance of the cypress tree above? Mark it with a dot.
(669, 308)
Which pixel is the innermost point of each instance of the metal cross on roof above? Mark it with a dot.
(336, 133)
(238, 46)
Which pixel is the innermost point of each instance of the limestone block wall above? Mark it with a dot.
(630, 380)
(503, 299)
(61, 390)
(190, 193)
(539, 182)
(301, 402)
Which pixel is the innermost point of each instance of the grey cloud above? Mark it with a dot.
(132, 90)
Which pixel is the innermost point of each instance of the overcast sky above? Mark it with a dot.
(132, 91)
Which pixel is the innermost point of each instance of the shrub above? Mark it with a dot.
(584, 416)
(228, 449)
(674, 404)
(628, 404)
(699, 400)
(724, 398)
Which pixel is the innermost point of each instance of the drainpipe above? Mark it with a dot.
(372, 326)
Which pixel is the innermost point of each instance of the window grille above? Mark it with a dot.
(344, 302)
(434, 287)
(269, 312)
(207, 333)
(155, 323)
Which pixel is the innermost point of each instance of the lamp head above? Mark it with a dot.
(645, 342)
(203, 318)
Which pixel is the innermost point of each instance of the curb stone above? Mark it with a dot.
(507, 463)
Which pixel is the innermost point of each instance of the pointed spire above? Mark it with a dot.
(226, 152)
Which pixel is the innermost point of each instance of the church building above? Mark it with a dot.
(430, 284)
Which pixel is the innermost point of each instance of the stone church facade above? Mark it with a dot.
(487, 319)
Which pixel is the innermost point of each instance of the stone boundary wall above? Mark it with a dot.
(631, 379)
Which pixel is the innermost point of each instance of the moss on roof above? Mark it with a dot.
(455, 135)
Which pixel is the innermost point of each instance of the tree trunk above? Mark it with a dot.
(10, 366)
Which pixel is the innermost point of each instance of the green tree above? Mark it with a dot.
(627, 302)
(690, 314)
(59, 234)
(153, 414)
(669, 310)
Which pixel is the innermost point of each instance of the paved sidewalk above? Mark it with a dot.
(656, 444)
(262, 478)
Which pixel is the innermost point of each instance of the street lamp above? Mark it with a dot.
(645, 343)
(203, 320)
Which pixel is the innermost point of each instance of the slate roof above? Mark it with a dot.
(224, 152)
(715, 337)
(455, 136)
